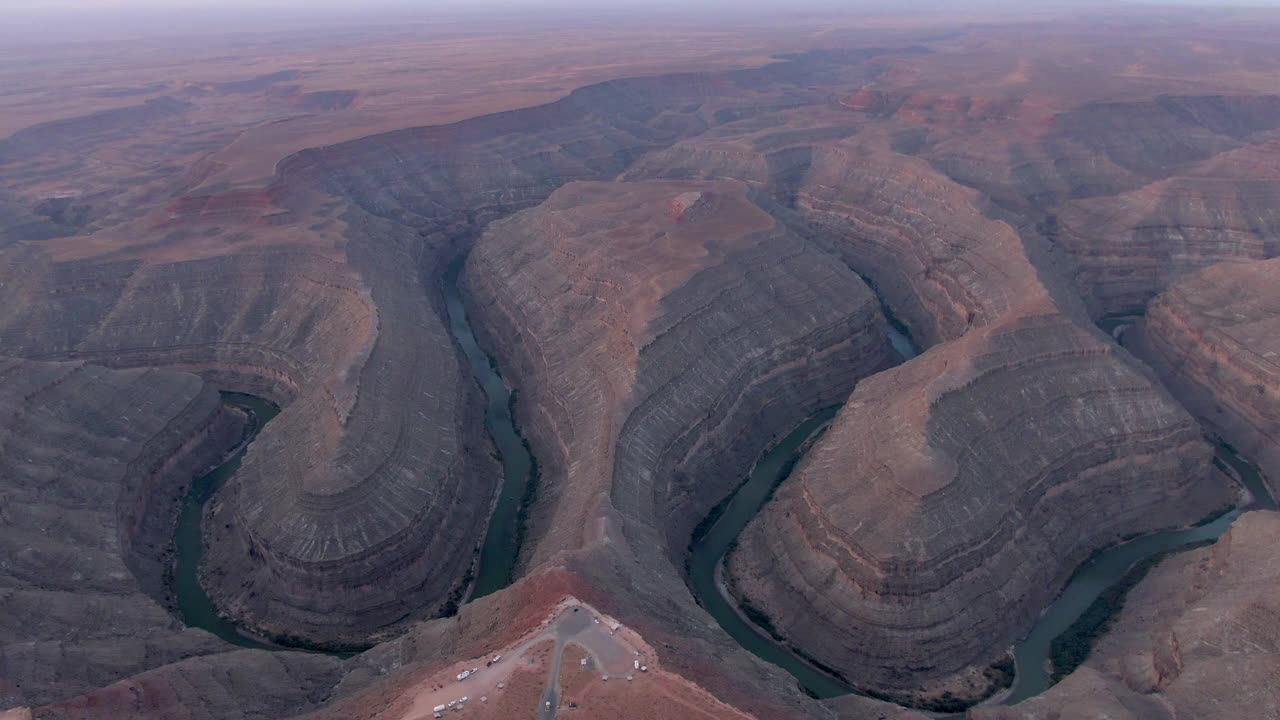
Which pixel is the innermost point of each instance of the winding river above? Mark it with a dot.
(502, 540)
(1033, 653)
(194, 605)
(706, 558)
(501, 543)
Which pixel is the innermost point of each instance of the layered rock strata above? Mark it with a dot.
(965, 282)
(920, 238)
(360, 504)
(659, 334)
(1198, 637)
(954, 496)
(1214, 337)
(93, 467)
(1129, 247)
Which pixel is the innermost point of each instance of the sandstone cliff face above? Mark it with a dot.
(269, 323)
(341, 531)
(305, 332)
(93, 468)
(920, 237)
(1213, 338)
(659, 334)
(361, 505)
(1131, 246)
(1128, 195)
(1198, 637)
(955, 495)
(966, 282)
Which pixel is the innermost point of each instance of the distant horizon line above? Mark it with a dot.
(143, 19)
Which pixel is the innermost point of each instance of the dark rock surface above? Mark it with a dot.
(93, 467)
(240, 685)
(361, 505)
(1199, 637)
(367, 478)
(1131, 246)
(659, 334)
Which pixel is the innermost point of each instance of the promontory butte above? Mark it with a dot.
(925, 532)
(1213, 337)
(654, 362)
(659, 334)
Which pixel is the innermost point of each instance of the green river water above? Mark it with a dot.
(501, 543)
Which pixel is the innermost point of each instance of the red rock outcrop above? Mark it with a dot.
(919, 237)
(945, 263)
(660, 341)
(361, 505)
(1214, 337)
(930, 595)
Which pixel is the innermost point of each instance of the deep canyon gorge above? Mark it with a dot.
(797, 365)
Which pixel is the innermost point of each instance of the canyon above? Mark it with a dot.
(1199, 623)
(674, 248)
(905, 553)
(84, 595)
(1210, 337)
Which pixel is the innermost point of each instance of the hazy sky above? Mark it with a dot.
(426, 6)
(42, 20)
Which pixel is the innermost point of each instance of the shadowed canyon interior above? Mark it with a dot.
(671, 268)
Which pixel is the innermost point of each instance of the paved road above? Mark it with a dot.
(611, 653)
(570, 626)
(549, 701)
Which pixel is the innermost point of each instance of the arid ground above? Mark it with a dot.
(1025, 262)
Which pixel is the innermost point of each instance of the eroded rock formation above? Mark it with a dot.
(239, 685)
(1131, 246)
(919, 237)
(361, 505)
(93, 466)
(304, 331)
(1214, 337)
(659, 334)
(1198, 637)
(963, 281)
(955, 495)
